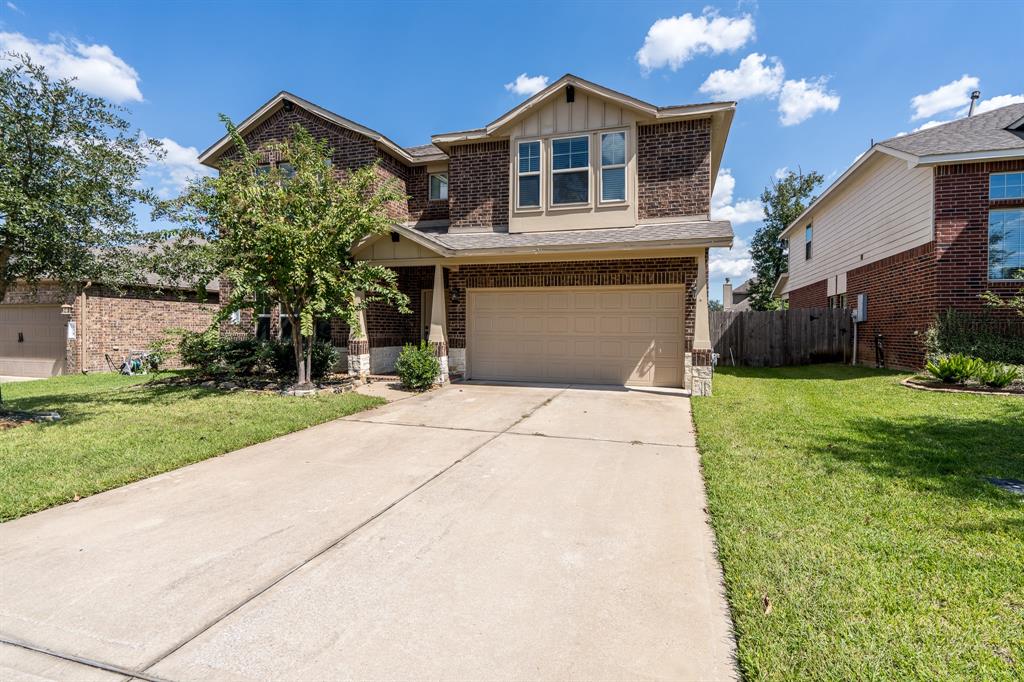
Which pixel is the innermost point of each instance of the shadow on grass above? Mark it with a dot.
(947, 454)
(827, 371)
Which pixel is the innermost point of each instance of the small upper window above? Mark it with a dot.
(529, 175)
(438, 186)
(263, 169)
(570, 170)
(613, 166)
(287, 170)
(1006, 186)
(808, 234)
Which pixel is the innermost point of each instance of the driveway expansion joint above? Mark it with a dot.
(338, 541)
(81, 660)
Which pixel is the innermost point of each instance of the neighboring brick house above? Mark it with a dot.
(566, 241)
(46, 330)
(920, 224)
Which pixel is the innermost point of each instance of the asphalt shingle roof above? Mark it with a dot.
(979, 133)
(626, 236)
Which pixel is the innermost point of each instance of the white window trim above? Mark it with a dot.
(809, 242)
(992, 175)
(601, 168)
(431, 176)
(539, 172)
(988, 241)
(588, 168)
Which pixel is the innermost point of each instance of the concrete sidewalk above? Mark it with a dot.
(483, 532)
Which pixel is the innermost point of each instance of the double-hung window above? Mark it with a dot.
(528, 192)
(570, 170)
(613, 166)
(808, 235)
(1006, 227)
(438, 186)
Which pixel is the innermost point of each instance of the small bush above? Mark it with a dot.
(243, 357)
(995, 374)
(281, 355)
(980, 336)
(201, 351)
(954, 369)
(417, 366)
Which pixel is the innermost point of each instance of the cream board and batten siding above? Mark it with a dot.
(590, 115)
(885, 209)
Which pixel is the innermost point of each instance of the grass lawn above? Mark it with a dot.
(117, 429)
(860, 509)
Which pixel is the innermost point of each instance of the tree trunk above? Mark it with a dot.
(302, 375)
(5, 256)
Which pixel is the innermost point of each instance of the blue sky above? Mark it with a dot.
(816, 81)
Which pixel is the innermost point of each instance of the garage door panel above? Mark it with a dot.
(32, 340)
(613, 335)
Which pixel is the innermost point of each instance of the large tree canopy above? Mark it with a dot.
(783, 202)
(285, 237)
(69, 170)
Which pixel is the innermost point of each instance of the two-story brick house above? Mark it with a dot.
(566, 241)
(920, 224)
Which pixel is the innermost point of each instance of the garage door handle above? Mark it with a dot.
(21, 337)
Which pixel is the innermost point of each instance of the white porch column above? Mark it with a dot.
(359, 345)
(701, 370)
(438, 336)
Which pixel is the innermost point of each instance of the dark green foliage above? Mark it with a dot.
(954, 369)
(243, 357)
(201, 351)
(417, 366)
(281, 355)
(995, 374)
(977, 335)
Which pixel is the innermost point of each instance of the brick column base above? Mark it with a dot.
(440, 349)
(359, 358)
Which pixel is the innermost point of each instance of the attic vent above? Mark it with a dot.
(288, 105)
(395, 236)
(570, 93)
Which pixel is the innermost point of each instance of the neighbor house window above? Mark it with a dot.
(263, 324)
(570, 170)
(808, 235)
(529, 175)
(613, 166)
(1006, 186)
(1006, 244)
(438, 186)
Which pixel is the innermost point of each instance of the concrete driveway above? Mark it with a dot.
(475, 532)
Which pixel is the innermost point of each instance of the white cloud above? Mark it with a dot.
(527, 85)
(753, 78)
(799, 100)
(723, 207)
(97, 69)
(781, 173)
(943, 98)
(674, 41)
(14, 8)
(927, 125)
(169, 175)
(734, 262)
(996, 102)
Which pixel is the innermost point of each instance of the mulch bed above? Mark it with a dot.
(333, 383)
(923, 384)
(10, 419)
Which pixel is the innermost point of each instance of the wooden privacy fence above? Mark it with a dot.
(782, 337)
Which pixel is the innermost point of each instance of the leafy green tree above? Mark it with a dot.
(715, 306)
(284, 237)
(783, 202)
(69, 168)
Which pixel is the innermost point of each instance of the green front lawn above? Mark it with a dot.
(860, 510)
(117, 429)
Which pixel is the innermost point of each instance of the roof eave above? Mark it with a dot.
(697, 242)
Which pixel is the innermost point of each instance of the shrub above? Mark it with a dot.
(157, 353)
(977, 335)
(243, 357)
(995, 374)
(952, 369)
(417, 366)
(201, 350)
(281, 355)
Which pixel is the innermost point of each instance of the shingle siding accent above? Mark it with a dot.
(478, 181)
(674, 169)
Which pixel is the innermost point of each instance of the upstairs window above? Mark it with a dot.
(613, 166)
(529, 175)
(570, 170)
(287, 170)
(439, 187)
(1006, 244)
(1006, 186)
(808, 235)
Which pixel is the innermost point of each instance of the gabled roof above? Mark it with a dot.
(412, 155)
(644, 108)
(995, 132)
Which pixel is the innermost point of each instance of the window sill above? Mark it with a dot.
(569, 207)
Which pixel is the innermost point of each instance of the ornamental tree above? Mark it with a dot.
(284, 237)
(69, 168)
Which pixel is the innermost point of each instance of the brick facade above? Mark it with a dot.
(478, 181)
(108, 322)
(674, 169)
(811, 296)
(420, 205)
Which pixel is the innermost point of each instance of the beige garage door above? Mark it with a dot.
(32, 340)
(592, 335)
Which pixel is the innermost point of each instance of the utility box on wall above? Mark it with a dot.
(861, 313)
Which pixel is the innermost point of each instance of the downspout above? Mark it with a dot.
(82, 345)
